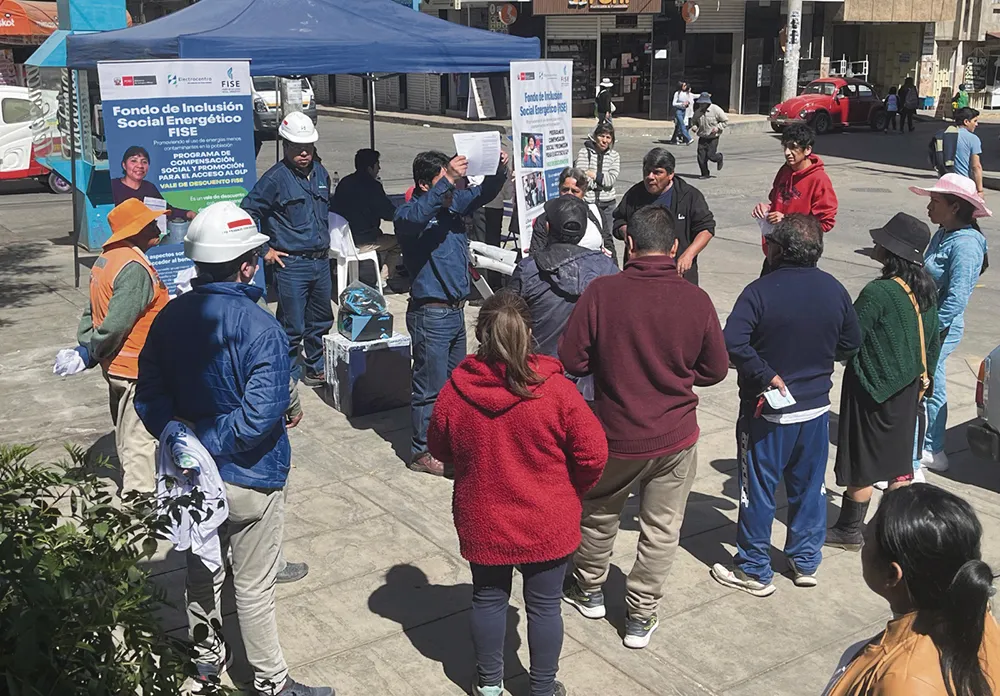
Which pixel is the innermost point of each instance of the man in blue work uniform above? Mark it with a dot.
(435, 249)
(291, 204)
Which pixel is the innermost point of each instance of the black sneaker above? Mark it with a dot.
(559, 689)
(638, 631)
(292, 572)
(293, 688)
(718, 165)
(590, 604)
(314, 379)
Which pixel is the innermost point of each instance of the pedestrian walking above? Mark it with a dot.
(648, 337)
(126, 294)
(683, 105)
(800, 186)
(887, 378)
(784, 334)
(891, 104)
(575, 183)
(961, 98)
(291, 206)
(525, 448)
(909, 96)
(604, 106)
(601, 162)
(361, 200)
(235, 401)
(968, 147)
(955, 258)
(922, 554)
(551, 280)
(710, 122)
(431, 233)
(693, 223)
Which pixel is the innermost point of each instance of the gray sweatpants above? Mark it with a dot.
(253, 532)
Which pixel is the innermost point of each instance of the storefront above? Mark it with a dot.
(604, 38)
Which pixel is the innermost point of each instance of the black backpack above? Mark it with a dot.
(941, 150)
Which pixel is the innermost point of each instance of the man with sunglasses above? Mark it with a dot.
(291, 205)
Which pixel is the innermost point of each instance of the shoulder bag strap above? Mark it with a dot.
(925, 380)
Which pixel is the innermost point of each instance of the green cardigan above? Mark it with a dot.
(889, 359)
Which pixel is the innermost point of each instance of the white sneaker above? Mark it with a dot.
(739, 580)
(919, 476)
(939, 462)
(926, 458)
(801, 579)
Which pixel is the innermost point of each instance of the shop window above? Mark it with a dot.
(16, 110)
(583, 53)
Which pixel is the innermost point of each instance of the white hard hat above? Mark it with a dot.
(298, 128)
(221, 232)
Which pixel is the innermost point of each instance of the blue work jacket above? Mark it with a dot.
(292, 209)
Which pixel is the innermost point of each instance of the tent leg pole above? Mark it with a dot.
(72, 175)
(371, 110)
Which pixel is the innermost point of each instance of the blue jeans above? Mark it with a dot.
(680, 119)
(304, 309)
(543, 584)
(438, 336)
(770, 452)
(937, 402)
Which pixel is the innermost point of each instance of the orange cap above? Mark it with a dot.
(128, 219)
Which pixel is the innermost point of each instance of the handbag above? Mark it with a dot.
(925, 380)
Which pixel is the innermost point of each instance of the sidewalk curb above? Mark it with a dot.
(751, 125)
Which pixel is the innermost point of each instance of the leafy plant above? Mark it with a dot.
(77, 611)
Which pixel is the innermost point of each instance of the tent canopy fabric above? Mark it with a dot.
(309, 37)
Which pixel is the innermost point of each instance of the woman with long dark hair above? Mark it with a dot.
(525, 448)
(922, 554)
(955, 258)
(886, 379)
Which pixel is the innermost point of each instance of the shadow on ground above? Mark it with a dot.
(21, 273)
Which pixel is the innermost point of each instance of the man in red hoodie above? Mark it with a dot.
(646, 354)
(800, 186)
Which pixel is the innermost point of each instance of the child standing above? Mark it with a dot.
(525, 448)
(891, 109)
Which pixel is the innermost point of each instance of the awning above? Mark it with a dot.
(28, 18)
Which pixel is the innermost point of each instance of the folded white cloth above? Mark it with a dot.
(185, 460)
(69, 361)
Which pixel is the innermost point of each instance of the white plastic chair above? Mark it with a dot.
(348, 257)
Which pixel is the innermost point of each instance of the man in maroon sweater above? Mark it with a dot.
(649, 337)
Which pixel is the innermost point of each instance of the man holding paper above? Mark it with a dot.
(431, 233)
(784, 334)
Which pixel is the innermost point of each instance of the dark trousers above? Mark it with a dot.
(438, 336)
(769, 453)
(304, 309)
(906, 117)
(543, 584)
(487, 227)
(707, 152)
(890, 121)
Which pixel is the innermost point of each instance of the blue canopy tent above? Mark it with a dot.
(309, 37)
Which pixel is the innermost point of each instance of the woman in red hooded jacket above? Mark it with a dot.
(525, 448)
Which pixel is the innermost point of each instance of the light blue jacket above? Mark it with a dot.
(955, 260)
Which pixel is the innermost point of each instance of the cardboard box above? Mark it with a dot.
(364, 328)
(366, 377)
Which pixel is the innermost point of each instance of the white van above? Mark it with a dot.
(27, 117)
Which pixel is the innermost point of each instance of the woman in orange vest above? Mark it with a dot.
(125, 297)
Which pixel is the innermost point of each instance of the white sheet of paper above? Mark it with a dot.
(777, 401)
(157, 204)
(765, 227)
(481, 149)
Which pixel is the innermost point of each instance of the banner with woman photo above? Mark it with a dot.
(179, 137)
(541, 115)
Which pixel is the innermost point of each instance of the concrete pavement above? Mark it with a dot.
(384, 609)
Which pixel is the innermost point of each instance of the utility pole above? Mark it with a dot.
(793, 41)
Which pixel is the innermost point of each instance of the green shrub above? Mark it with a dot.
(77, 611)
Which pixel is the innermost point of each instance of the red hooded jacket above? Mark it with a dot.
(809, 191)
(521, 465)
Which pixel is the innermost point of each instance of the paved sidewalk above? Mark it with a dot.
(384, 609)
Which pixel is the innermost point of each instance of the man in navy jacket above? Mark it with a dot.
(435, 248)
(784, 334)
(217, 361)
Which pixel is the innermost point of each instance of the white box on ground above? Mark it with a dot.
(367, 376)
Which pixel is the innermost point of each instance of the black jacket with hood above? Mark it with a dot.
(551, 281)
(691, 215)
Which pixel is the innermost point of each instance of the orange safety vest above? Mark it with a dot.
(125, 363)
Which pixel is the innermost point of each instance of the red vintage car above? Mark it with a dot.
(831, 102)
